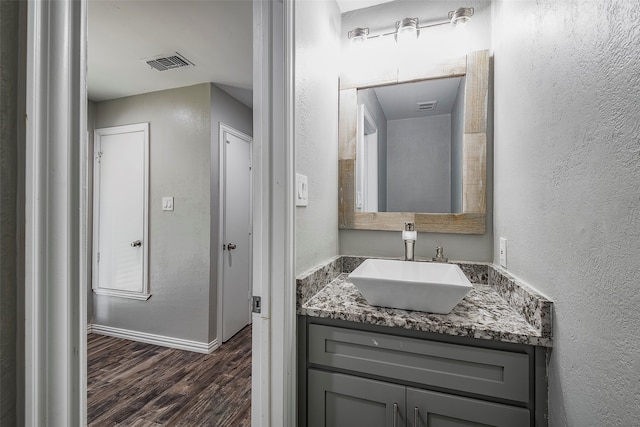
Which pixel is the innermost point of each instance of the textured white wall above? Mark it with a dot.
(567, 191)
(316, 126)
(437, 42)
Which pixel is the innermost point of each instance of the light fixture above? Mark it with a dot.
(409, 28)
(358, 35)
(461, 15)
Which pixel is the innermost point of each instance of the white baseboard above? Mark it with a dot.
(180, 344)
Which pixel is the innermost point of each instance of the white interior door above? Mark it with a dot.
(236, 231)
(120, 211)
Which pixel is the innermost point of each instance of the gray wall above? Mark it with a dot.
(419, 164)
(439, 41)
(316, 129)
(11, 212)
(567, 180)
(179, 249)
(370, 100)
(457, 132)
(222, 108)
(228, 110)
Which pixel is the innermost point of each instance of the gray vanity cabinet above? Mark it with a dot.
(361, 375)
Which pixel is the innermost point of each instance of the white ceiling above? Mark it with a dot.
(349, 5)
(399, 101)
(216, 35)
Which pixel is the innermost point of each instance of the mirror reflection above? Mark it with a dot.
(409, 147)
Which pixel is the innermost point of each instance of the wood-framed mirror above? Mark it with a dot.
(468, 216)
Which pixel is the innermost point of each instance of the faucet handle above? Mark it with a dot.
(409, 226)
(440, 255)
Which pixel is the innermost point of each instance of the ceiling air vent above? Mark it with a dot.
(168, 62)
(426, 105)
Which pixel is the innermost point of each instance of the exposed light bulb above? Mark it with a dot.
(407, 30)
(358, 35)
(460, 15)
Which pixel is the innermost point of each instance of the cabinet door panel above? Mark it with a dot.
(444, 410)
(338, 400)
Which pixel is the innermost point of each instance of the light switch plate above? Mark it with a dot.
(302, 190)
(167, 203)
(503, 252)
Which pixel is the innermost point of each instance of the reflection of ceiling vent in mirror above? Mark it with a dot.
(168, 62)
(426, 105)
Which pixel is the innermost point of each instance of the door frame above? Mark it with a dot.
(56, 214)
(226, 129)
(273, 370)
(97, 180)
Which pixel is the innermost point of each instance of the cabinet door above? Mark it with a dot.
(338, 400)
(431, 409)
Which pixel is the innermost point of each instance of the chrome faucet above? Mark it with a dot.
(409, 235)
(439, 255)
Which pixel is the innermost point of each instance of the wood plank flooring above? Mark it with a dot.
(136, 384)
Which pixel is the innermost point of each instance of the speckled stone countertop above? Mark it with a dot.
(498, 308)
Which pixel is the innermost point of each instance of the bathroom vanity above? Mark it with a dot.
(481, 364)
(484, 362)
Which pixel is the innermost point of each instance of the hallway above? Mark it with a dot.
(136, 384)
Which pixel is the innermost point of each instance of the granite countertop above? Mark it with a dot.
(500, 309)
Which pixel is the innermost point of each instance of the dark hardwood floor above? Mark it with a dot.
(135, 384)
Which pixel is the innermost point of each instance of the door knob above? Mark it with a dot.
(231, 246)
(136, 243)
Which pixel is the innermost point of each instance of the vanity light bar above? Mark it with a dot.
(411, 25)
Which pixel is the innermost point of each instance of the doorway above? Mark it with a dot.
(55, 373)
(184, 110)
(235, 292)
(367, 155)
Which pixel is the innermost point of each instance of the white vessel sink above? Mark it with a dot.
(421, 286)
